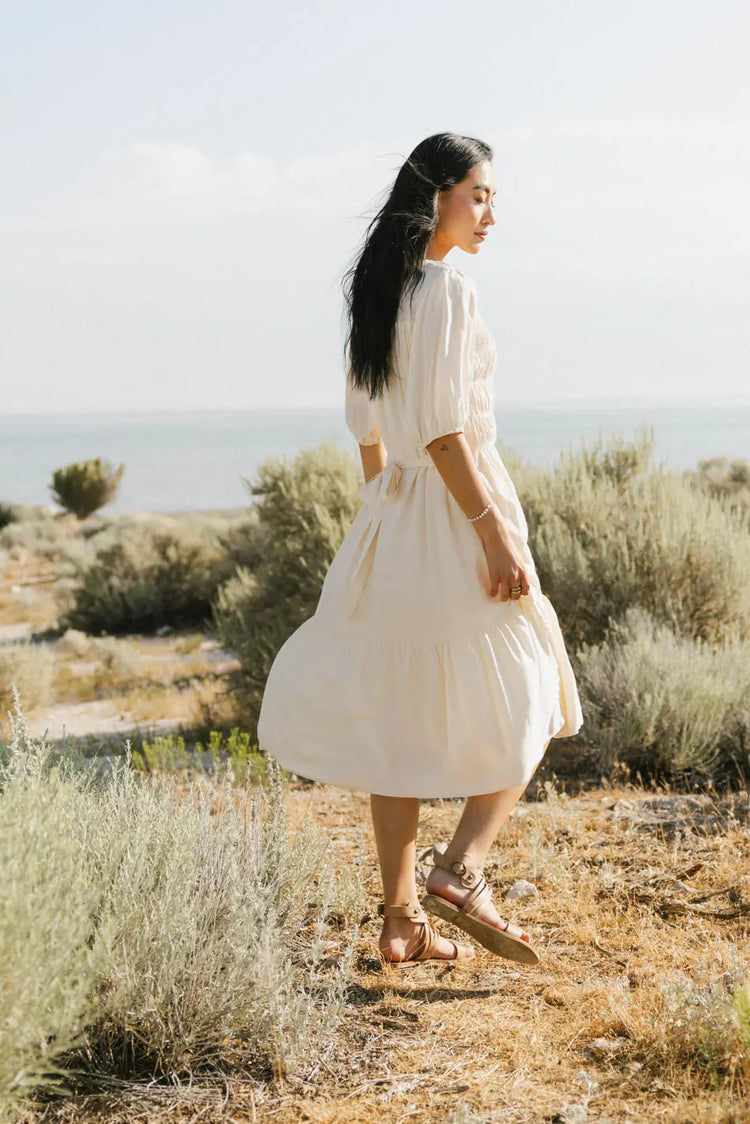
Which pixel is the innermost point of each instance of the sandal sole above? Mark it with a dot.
(405, 965)
(492, 938)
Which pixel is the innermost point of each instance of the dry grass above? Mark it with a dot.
(622, 910)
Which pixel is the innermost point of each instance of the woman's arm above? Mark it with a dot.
(455, 462)
(373, 459)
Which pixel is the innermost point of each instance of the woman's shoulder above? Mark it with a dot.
(451, 275)
(442, 280)
(431, 265)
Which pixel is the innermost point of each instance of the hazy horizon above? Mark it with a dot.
(574, 404)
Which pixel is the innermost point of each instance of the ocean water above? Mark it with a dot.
(197, 460)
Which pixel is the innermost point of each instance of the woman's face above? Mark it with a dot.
(464, 212)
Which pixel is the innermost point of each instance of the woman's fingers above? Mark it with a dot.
(505, 574)
(510, 582)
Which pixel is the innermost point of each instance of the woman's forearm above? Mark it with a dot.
(455, 462)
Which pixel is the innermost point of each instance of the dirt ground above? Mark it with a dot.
(632, 888)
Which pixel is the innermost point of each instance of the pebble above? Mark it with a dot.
(522, 889)
(601, 1048)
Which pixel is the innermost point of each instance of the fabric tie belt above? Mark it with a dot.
(381, 488)
(386, 482)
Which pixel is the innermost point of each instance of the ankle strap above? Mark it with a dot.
(412, 910)
(469, 875)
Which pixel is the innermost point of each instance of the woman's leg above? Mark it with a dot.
(480, 822)
(394, 821)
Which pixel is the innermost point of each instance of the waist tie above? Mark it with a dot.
(374, 494)
(386, 482)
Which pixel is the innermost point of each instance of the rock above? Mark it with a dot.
(522, 889)
(601, 1049)
(571, 1113)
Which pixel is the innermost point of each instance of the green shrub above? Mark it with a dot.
(234, 755)
(85, 486)
(305, 511)
(608, 530)
(142, 576)
(663, 703)
(153, 929)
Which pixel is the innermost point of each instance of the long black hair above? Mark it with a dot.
(395, 242)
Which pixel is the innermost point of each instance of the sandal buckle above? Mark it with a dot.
(460, 869)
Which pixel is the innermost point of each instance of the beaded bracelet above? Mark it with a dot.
(473, 518)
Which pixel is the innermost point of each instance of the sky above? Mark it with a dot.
(185, 183)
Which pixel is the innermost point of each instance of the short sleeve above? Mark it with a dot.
(440, 362)
(360, 414)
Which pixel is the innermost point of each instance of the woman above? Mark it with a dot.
(434, 665)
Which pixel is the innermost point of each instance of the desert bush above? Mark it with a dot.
(75, 643)
(148, 928)
(609, 530)
(305, 510)
(85, 486)
(706, 1025)
(662, 702)
(8, 514)
(31, 668)
(121, 658)
(729, 479)
(142, 576)
(35, 532)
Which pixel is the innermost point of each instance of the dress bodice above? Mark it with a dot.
(441, 378)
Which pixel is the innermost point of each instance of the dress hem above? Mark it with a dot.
(350, 787)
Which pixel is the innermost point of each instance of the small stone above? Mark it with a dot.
(522, 889)
(571, 1113)
(602, 1048)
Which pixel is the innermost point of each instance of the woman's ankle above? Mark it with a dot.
(470, 858)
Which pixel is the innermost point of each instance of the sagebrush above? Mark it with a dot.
(148, 928)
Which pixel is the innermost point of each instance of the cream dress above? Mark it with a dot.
(409, 679)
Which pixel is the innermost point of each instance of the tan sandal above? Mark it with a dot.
(427, 943)
(510, 941)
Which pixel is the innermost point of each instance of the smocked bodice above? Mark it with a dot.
(481, 428)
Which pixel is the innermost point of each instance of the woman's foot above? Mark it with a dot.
(401, 939)
(448, 885)
(458, 892)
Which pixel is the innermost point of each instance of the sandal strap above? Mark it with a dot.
(427, 943)
(412, 910)
(426, 948)
(469, 876)
(517, 932)
(478, 897)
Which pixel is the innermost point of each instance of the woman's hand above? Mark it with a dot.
(504, 564)
(455, 462)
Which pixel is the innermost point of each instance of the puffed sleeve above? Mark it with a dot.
(359, 411)
(440, 367)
